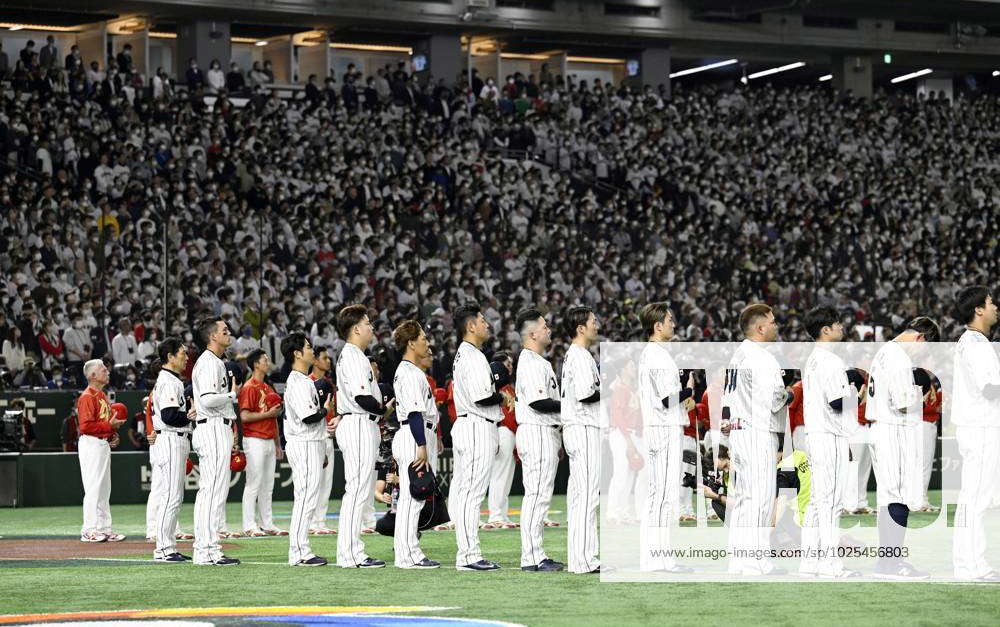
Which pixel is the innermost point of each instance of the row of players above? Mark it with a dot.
(544, 414)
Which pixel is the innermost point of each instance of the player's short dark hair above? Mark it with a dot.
(652, 313)
(291, 343)
(926, 327)
(406, 332)
(819, 317)
(575, 318)
(347, 318)
(463, 315)
(205, 328)
(253, 357)
(967, 300)
(168, 346)
(750, 315)
(524, 317)
(319, 349)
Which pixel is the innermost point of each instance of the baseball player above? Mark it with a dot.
(171, 420)
(538, 439)
(894, 407)
(976, 415)
(359, 406)
(581, 393)
(502, 471)
(415, 444)
(259, 408)
(856, 496)
(663, 405)
(321, 366)
(212, 440)
(625, 497)
(157, 481)
(754, 396)
(474, 436)
(828, 398)
(929, 430)
(305, 422)
(98, 435)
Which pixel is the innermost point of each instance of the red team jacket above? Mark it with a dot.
(251, 398)
(795, 414)
(94, 413)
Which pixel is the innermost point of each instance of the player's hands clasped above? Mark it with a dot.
(420, 459)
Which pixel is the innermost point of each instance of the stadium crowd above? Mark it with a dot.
(414, 198)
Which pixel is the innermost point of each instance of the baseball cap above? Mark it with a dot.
(421, 483)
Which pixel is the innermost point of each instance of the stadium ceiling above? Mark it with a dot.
(944, 11)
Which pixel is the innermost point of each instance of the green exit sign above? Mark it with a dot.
(887, 58)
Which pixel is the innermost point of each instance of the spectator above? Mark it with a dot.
(124, 349)
(95, 75)
(48, 56)
(13, 351)
(30, 438)
(31, 376)
(27, 53)
(258, 76)
(76, 339)
(137, 429)
(235, 83)
(74, 62)
(53, 349)
(216, 77)
(195, 77)
(124, 59)
(58, 381)
(147, 347)
(246, 342)
(4, 62)
(268, 71)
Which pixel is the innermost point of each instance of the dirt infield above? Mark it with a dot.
(71, 548)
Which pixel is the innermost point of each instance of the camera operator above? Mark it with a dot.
(31, 376)
(714, 479)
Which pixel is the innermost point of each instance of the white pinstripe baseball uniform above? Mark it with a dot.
(413, 394)
(755, 395)
(663, 427)
(582, 439)
(824, 380)
(305, 447)
(538, 443)
(169, 456)
(895, 409)
(977, 429)
(213, 442)
(358, 438)
(474, 443)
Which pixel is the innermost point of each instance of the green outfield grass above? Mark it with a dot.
(529, 598)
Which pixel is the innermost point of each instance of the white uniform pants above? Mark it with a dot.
(213, 442)
(358, 438)
(259, 485)
(750, 506)
(306, 460)
(405, 542)
(169, 460)
(583, 447)
(325, 485)
(95, 471)
(980, 473)
(474, 443)
(501, 477)
(538, 447)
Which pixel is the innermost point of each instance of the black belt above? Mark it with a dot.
(180, 433)
(483, 417)
(371, 417)
(225, 421)
(429, 425)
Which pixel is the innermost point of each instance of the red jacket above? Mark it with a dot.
(796, 418)
(932, 411)
(56, 350)
(508, 413)
(94, 413)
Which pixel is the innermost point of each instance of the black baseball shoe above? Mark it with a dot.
(173, 558)
(226, 561)
(315, 560)
(546, 565)
(371, 562)
(899, 571)
(481, 565)
(427, 563)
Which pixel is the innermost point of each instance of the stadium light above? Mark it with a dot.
(702, 68)
(16, 27)
(775, 70)
(261, 43)
(996, 72)
(825, 77)
(906, 77)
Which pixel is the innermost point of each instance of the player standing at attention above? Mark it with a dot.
(305, 422)
(976, 416)
(259, 409)
(502, 471)
(663, 405)
(895, 408)
(753, 397)
(98, 435)
(474, 436)
(172, 428)
(321, 366)
(418, 415)
(581, 390)
(538, 442)
(359, 404)
(828, 403)
(213, 439)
